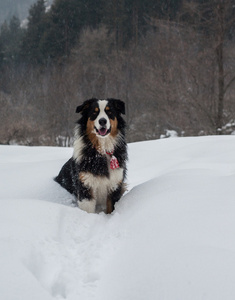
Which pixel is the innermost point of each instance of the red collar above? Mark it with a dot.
(110, 153)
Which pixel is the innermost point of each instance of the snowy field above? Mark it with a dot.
(171, 237)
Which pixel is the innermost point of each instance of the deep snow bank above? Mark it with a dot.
(170, 237)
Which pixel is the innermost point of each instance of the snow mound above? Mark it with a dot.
(170, 237)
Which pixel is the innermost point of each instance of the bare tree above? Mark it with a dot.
(214, 20)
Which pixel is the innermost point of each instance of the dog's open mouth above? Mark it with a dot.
(103, 131)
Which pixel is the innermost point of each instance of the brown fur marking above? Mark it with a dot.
(114, 130)
(109, 206)
(91, 135)
(81, 177)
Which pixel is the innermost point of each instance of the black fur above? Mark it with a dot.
(93, 161)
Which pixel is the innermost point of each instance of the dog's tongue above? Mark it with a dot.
(102, 131)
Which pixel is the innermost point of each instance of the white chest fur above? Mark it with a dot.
(101, 186)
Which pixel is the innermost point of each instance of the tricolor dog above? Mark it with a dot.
(96, 172)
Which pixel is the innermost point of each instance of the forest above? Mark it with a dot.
(171, 61)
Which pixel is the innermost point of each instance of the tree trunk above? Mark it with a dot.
(220, 62)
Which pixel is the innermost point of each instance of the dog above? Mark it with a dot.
(96, 173)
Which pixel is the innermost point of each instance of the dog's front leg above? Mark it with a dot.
(88, 205)
(114, 197)
(85, 199)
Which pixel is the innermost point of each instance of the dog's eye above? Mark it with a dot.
(96, 110)
(110, 114)
(93, 115)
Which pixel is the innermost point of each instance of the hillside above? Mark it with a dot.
(163, 61)
(170, 237)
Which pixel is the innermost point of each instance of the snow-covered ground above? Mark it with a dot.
(171, 237)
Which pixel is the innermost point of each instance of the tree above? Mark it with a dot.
(1, 53)
(30, 49)
(10, 39)
(223, 20)
(64, 23)
(4, 38)
(213, 19)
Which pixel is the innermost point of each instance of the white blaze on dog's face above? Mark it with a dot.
(102, 122)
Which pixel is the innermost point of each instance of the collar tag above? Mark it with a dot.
(113, 162)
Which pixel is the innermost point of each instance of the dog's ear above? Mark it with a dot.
(86, 104)
(120, 106)
(79, 108)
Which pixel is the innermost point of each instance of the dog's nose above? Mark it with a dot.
(102, 121)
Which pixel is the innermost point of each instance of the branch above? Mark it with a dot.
(196, 105)
(229, 84)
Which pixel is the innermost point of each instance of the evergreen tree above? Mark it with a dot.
(51, 35)
(64, 23)
(1, 54)
(92, 12)
(122, 18)
(165, 8)
(128, 19)
(30, 49)
(16, 33)
(4, 38)
(10, 39)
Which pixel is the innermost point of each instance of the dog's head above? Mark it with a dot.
(102, 117)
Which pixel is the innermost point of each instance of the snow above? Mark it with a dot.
(169, 134)
(171, 236)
